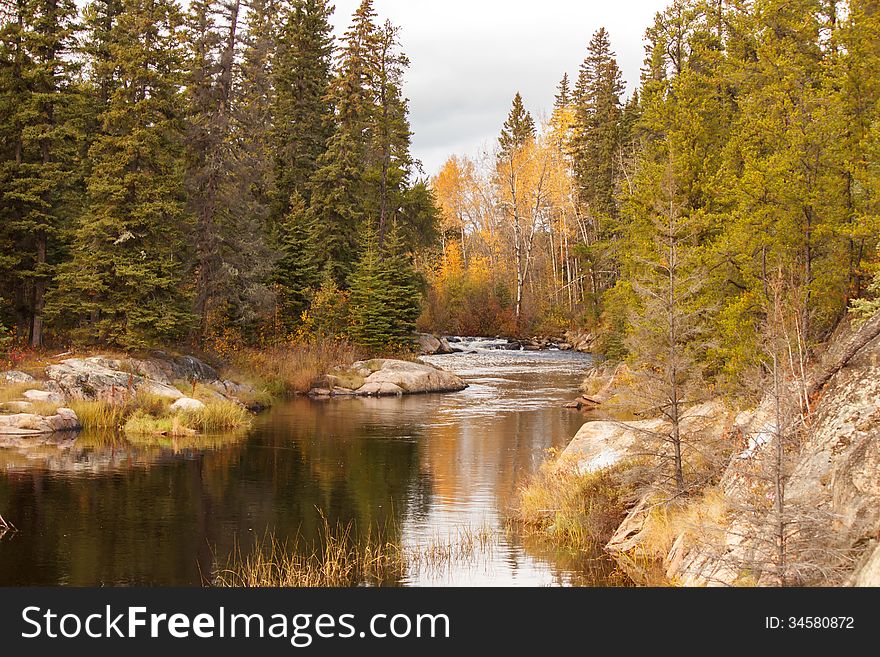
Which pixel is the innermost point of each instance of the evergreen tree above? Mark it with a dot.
(39, 175)
(301, 76)
(232, 262)
(596, 133)
(125, 283)
(519, 128)
(563, 94)
(370, 321)
(385, 297)
(338, 188)
(303, 123)
(297, 271)
(392, 135)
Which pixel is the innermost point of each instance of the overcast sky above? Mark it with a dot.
(469, 57)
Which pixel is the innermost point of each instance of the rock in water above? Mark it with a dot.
(385, 377)
(187, 404)
(28, 424)
(430, 345)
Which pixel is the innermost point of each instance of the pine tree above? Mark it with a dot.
(392, 135)
(40, 179)
(297, 271)
(562, 99)
(385, 296)
(404, 287)
(371, 324)
(519, 128)
(125, 284)
(338, 188)
(596, 133)
(301, 76)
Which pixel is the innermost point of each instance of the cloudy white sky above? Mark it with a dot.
(469, 57)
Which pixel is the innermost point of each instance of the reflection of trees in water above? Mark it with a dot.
(100, 510)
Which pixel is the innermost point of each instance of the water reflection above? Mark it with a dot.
(98, 509)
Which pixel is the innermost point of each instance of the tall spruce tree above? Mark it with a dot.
(125, 285)
(338, 188)
(390, 150)
(232, 259)
(385, 297)
(303, 124)
(301, 76)
(41, 108)
(518, 129)
(595, 143)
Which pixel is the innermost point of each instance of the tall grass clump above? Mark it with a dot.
(296, 366)
(571, 508)
(341, 559)
(113, 414)
(218, 415)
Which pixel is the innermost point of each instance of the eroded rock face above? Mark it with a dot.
(27, 424)
(602, 444)
(386, 377)
(835, 475)
(580, 341)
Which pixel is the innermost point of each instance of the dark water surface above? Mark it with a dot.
(99, 510)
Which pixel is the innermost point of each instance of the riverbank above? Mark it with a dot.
(430, 465)
(720, 529)
(160, 393)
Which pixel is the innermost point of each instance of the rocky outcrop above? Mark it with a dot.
(28, 424)
(834, 478)
(602, 444)
(431, 345)
(580, 340)
(98, 377)
(388, 377)
(832, 491)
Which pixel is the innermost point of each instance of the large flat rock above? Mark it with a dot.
(386, 377)
(28, 424)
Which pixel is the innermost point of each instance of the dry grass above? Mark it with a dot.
(295, 367)
(44, 408)
(218, 415)
(14, 391)
(341, 560)
(574, 509)
(104, 414)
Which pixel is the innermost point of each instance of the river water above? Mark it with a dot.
(100, 510)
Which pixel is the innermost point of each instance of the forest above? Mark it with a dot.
(232, 173)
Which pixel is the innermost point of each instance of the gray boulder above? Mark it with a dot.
(43, 396)
(98, 377)
(187, 404)
(430, 345)
(14, 376)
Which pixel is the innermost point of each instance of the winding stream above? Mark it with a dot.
(99, 510)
